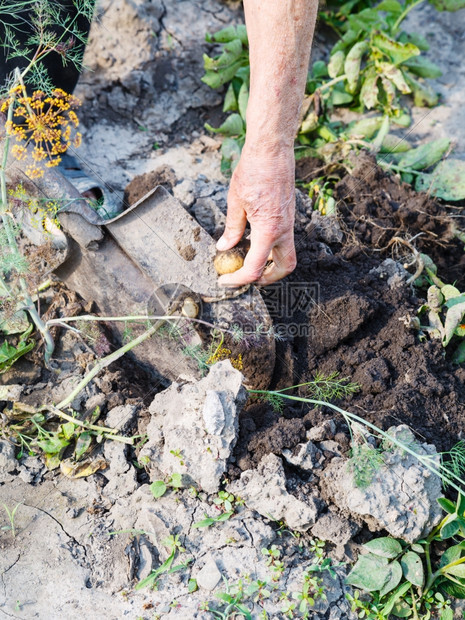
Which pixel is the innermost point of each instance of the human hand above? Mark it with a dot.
(262, 192)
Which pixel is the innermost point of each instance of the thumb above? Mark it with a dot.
(236, 220)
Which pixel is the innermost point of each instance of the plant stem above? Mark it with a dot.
(106, 361)
(403, 15)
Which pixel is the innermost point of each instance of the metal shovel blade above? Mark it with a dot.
(148, 260)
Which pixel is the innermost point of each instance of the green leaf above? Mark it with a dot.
(449, 529)
(392, 6)
(352, 65)
(423, 67)
(412, 567)
(366, 127)
(10, 354)
(232, 126)
(82, 444)
(225, 35)
(453, 319)
(454, 589)
(369, 91)
(394, 74)
(192, 586)
(417, 548)
(451, 554)
(446, 182)
(175, 481)
(456, 571)
(53, 445)
(404, 119)
(319, 69)
(394, 579)
(158, 488)
(243, 99)
(230, 101)
(448, 5)
(385, 547)
(217, 76)
(449, 291)
(401, 610)
(336, 64)
(394, 144)
(309, 123)
(447, 614)
(459, 354)
(13, 323)
(397, 52)
(369, 573)
(395, 596)
(339, 97)
(68, 429)
(425, 155)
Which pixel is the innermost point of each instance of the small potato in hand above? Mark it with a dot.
(229, 261)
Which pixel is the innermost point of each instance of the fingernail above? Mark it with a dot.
(221, 244)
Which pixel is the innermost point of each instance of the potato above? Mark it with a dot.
(231, 260)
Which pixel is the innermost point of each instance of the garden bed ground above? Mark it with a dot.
(146, 111)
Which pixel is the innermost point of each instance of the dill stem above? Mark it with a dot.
(6, 220)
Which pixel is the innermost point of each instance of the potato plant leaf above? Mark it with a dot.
(396, 51)
(370, 573)
(423, 67)
(396, 76)
(83, 443)
(369, 91)
(232, 126)
(230, 100)
(453, 319)
(394, 579)
(336, 64)
(352, 65)
(446, 182)
(425, 155)
(448, 5)
(458, 571)
(412, 568)
(384, 547)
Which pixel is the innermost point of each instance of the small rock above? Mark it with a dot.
(325, 228)
(121, 417)
(393, 272)
(194, 427)
(264, 490)
(330, 446)
(213, 413)
(335, 529)
(401, 498)
(304, 455)
(209, 576)
(323, 431)
(184, 192)
(8, 462)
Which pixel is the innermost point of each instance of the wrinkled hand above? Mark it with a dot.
(262, 192)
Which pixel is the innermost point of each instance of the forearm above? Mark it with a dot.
(280, 37)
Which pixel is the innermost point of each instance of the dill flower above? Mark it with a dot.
(45, 123)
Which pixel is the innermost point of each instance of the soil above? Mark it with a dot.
(357, 326)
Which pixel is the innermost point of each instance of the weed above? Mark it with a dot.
(365, 461)
(273, 556)
(174, 547)
(159, 488)
(11, 518)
